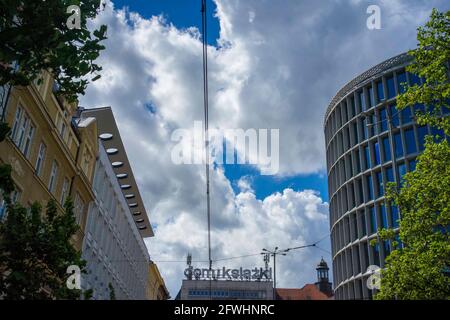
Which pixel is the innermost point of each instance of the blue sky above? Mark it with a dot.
(182, 13)
(265, 185)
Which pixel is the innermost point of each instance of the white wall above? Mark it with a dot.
(113, 247)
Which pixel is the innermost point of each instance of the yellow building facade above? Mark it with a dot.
(156, 289)
(51, 157)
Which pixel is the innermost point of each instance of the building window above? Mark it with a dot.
(353, 105)
(358, 162)
(23, 131)
(369, 187)
(366, 255)
(401, 171)
(410, 141)
(376, 254)
(380, 91)
(63, 129)
(367, 157)
(386, 149)
(86, 162)
(398, 145)
(360, 191)
(414, 79)
(402, 82)
(17, 120)
(64, 191)
(390, 174)
(3, 92)
(53, 176)
(373, 220)
(78, 208)
(376, 149)
(387, 248)
(419, 109)
(422, 132)
(380, 190)
(15, 197)
(28, 141)
(412, 165)
(390, 87)
(406, 115)
(3, 207)
(437, 134)
(363, 225)
(394, 216)
(355, 227)
(362, 101)
(371, 97)
(40, 158)
(384, 219)
(371, 125)
(355, 132)
(383, 120)
(395, 120)
(345, 112)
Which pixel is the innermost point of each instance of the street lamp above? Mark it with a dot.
(274, 254)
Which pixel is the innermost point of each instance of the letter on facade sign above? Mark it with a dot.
(188, 273)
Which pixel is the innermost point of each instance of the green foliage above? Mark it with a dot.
(88, 294)
(419, 270)
(432, 62)
(112, 292)
(416, 271)
(35, 251)
(35, 35)
(6, 182)
(4, 130)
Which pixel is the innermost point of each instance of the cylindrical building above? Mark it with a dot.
(368, 144)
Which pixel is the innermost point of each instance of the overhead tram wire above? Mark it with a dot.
(313, 245)
(206, 107)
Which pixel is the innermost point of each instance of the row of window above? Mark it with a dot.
(115, 242)
(353, 290)
(366, 98)
(364, 222)
(368, 126)
(355, 260)
(239, 294)
(364, 128)
(22, 134)
(406, 142)
(366, 188)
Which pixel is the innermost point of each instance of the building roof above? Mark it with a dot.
(308, 292)
(109, 134)
(401, 59)
(322, 264)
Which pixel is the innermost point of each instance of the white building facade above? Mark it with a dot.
(113, 244)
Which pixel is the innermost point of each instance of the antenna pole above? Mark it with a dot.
(205, 104)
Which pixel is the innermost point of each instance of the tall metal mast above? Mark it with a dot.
(205, 104)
